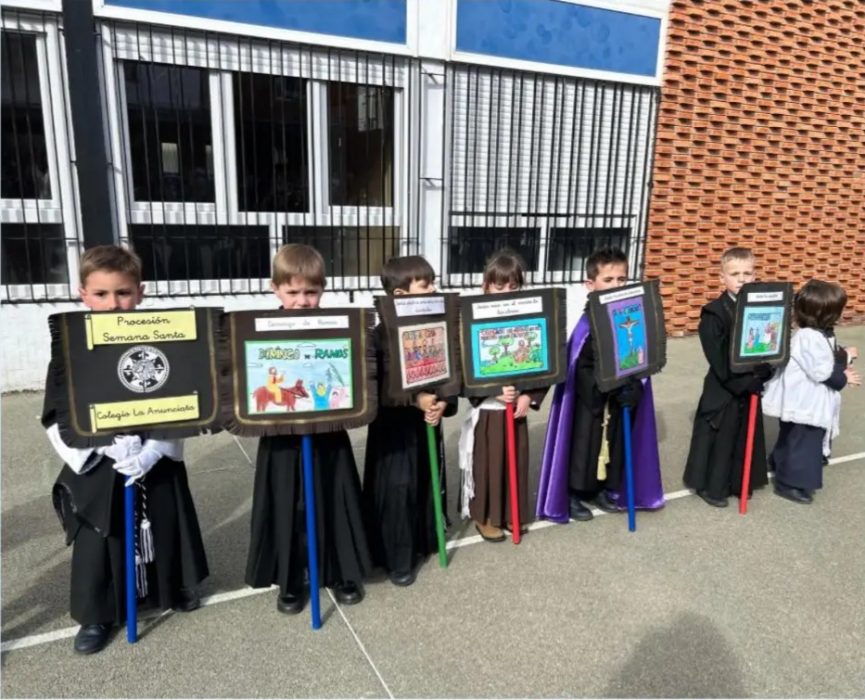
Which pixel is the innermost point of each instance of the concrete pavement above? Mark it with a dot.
(699, 602)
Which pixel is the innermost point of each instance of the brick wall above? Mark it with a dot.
(761, 142)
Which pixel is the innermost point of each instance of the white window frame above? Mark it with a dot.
(62, 207)
(221, 58)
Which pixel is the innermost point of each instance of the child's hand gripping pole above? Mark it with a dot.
(311, 532)
(432, 444)
(629, 469)
(749, 453)
(510, 428)
(131, 592)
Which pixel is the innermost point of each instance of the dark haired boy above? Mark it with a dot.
(583, 458)
(397, 483)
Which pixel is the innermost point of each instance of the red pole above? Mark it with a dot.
(512, 473)
(749, 453)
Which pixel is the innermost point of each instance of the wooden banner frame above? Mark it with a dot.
(764, 312)
(628, 333)
(319, 364)
(427, 321)
(151, 372)
(528, 315)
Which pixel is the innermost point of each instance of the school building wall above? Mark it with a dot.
(479, 124)
(760, 142)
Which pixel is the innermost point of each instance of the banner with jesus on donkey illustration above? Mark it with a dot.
(299, 372)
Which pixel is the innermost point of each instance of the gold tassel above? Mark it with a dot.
(604, 455)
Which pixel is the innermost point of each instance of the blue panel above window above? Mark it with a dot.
(375, 20)
(561, 33)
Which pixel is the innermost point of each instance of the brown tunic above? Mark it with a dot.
(491, 501)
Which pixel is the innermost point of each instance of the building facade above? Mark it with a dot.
(206, 135)
(760, 142)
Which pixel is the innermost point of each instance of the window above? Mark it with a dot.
(568, 158)
(24, 154)
(34, 254)
(348, 251)
(202, 252)
(170, 141)
(570, 247)
(230, 145)
(360, 119)
(271, 142)
(470, 247)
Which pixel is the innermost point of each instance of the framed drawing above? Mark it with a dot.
(152, 373)
(514, 339)
(628, 333)
(761, 328)
(419, 338)
(300, 372)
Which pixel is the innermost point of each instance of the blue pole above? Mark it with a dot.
(311, 534)
(629, 469)
(131, 597)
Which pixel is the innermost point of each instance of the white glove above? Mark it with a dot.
(124, 446)
(137, 465)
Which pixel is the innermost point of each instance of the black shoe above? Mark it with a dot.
(711, 500)
(524, 529)
(795, 495)
(290, 603)
(187, 600)
(348, 593)
(402, 578)
(825, 461)
(605, 504)
(92, 638)
(578, 511)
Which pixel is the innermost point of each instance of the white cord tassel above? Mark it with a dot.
(146, 537)
(140, 577)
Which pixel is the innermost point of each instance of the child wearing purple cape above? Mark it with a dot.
(583, 458)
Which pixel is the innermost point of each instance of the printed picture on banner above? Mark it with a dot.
(507, 348)
(761, 331)
(628, 323)
(299, 375)
(424, 354)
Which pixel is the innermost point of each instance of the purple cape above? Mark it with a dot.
(553, 498)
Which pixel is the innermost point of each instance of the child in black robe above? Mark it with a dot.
(397, 483)
(277, 549)
(88, 494)
(717, 453)
(598, 455)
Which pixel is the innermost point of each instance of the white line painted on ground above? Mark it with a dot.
(240, 445)
(216, 598)
(360, 644)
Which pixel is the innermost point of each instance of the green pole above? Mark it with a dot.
(437, 493)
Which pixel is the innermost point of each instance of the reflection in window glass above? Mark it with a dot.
(469, 247)
(33, 254)
(24, 155)
(201, 252)
(170, 141)
(348, 250)
(570, 247)
(360, 119)
(270, 129)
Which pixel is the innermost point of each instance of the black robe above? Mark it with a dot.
(717, 452)
(91, 509)
(277, 548)
(397, 483)
(588, 430)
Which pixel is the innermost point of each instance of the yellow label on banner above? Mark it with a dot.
(124, 414)
(149, 327)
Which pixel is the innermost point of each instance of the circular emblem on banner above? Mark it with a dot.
(143, 369)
